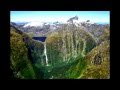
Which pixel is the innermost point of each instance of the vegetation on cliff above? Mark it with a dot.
(69, 52)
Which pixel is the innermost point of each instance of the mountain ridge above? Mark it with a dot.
(68, 47)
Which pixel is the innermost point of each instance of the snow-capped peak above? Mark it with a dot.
(35, 24)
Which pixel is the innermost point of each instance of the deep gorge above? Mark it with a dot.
(60, 55)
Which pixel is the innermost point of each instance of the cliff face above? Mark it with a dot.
(66, 44)
(63, 45)
(95, 65)
(98, 62)
(21, 60)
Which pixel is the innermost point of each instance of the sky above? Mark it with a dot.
(61, 16)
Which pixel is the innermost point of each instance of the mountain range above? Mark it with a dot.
(76, 49)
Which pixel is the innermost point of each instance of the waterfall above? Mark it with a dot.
(63, 49)
(76, 42)
(45, 52)
(84, 47)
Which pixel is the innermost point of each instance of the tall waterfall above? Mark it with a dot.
(84, 47)
(45, 52)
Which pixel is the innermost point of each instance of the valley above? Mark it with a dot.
(60, 50)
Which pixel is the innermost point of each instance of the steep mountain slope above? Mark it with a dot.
(98, 62)
(70, 51)
(20, 57)
(44, 28)
(20, 63)
(67, 43)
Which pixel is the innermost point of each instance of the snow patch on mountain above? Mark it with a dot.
(34, 24)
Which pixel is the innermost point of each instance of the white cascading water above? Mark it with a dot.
(84, 47)
(45, 52)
